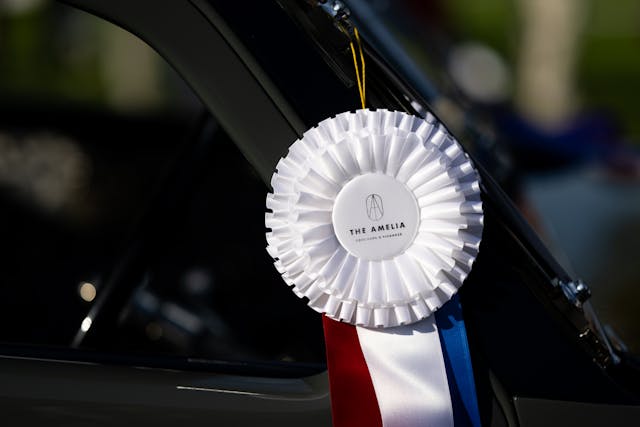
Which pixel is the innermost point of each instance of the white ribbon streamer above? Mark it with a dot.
(408, 374)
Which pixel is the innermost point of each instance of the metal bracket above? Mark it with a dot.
(336, 9)
(577, 292)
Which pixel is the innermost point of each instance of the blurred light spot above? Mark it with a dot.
(86, 324)
(87, 291)
(198, 281)
(48, 170)
(146, 301)
(154, 331)
(480, 73)
(18, 7)
(181, 318)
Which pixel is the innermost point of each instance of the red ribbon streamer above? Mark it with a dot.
(353, 398)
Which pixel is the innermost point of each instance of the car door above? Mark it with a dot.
(123, 291)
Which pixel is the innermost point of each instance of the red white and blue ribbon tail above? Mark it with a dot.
(412, 375)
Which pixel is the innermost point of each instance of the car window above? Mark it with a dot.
(95, 129)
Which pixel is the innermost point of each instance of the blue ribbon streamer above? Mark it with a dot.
(457, 359)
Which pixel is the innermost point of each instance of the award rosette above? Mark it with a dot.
(376, 218)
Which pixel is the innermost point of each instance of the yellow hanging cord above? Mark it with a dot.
(361, 80)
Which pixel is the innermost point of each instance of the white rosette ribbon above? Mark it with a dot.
(375, 217)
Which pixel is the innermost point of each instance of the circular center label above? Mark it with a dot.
(375, 217)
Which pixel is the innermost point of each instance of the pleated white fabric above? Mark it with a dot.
(425, 161)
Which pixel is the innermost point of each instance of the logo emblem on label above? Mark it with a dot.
(375, 210)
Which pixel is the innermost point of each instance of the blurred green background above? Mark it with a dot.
(607, 47)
